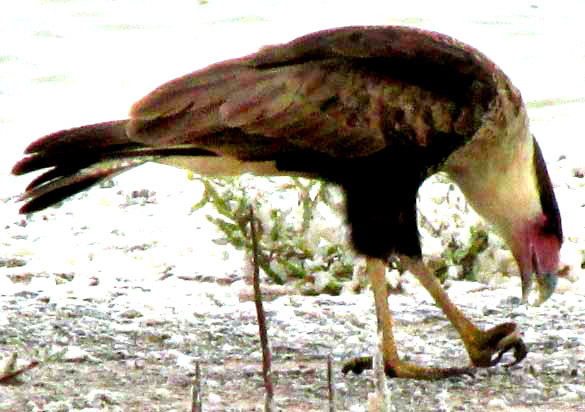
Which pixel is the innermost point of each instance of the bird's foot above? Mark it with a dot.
(401, 369)
(486, 348)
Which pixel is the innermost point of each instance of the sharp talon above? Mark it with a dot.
(520, 352)
(498, 358)
(358, 365)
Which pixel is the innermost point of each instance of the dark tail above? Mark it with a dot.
(79, 158)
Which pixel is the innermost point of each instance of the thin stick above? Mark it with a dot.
(330, 384)
(266, 355)
(380, 400)
(196, 401)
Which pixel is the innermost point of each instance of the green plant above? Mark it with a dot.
(289, 247)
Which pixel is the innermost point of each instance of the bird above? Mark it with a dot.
(373, 109)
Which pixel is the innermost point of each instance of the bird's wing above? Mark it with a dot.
(276, 107)
(341, 92)
(344, 93)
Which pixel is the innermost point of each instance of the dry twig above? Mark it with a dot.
(330, 384)
(196, 399)
(266, 355)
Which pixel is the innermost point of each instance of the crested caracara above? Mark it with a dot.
(375, 110)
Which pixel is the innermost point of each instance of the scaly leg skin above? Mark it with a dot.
(394, 367)
(481, 345)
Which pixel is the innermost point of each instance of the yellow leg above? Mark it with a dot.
(481, 345)
(376, 270)
(394, 367)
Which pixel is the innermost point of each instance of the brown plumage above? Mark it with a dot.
(374, 109)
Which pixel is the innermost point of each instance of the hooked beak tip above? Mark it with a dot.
(526, 279)
(546, 284)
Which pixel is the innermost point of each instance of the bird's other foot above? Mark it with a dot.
(406, 370)
(488, 347)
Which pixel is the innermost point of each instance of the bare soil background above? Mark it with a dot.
(120, 324)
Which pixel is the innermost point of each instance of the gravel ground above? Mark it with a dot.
(117, 309)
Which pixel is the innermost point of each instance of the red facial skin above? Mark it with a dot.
(538, 252)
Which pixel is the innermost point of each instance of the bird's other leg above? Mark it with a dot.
(394, 367)
(485, 348)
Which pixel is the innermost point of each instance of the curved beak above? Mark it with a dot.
(541, 260)
(546, 284)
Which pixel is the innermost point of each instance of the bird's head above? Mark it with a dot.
(536, 237)
(506, 181)
(536, 250)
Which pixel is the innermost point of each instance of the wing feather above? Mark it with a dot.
(345, 92)
(285, 103)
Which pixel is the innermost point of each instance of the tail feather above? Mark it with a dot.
(41, 197)
(75, 147)
(84, 137)
(81, 157)
(55, 173)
